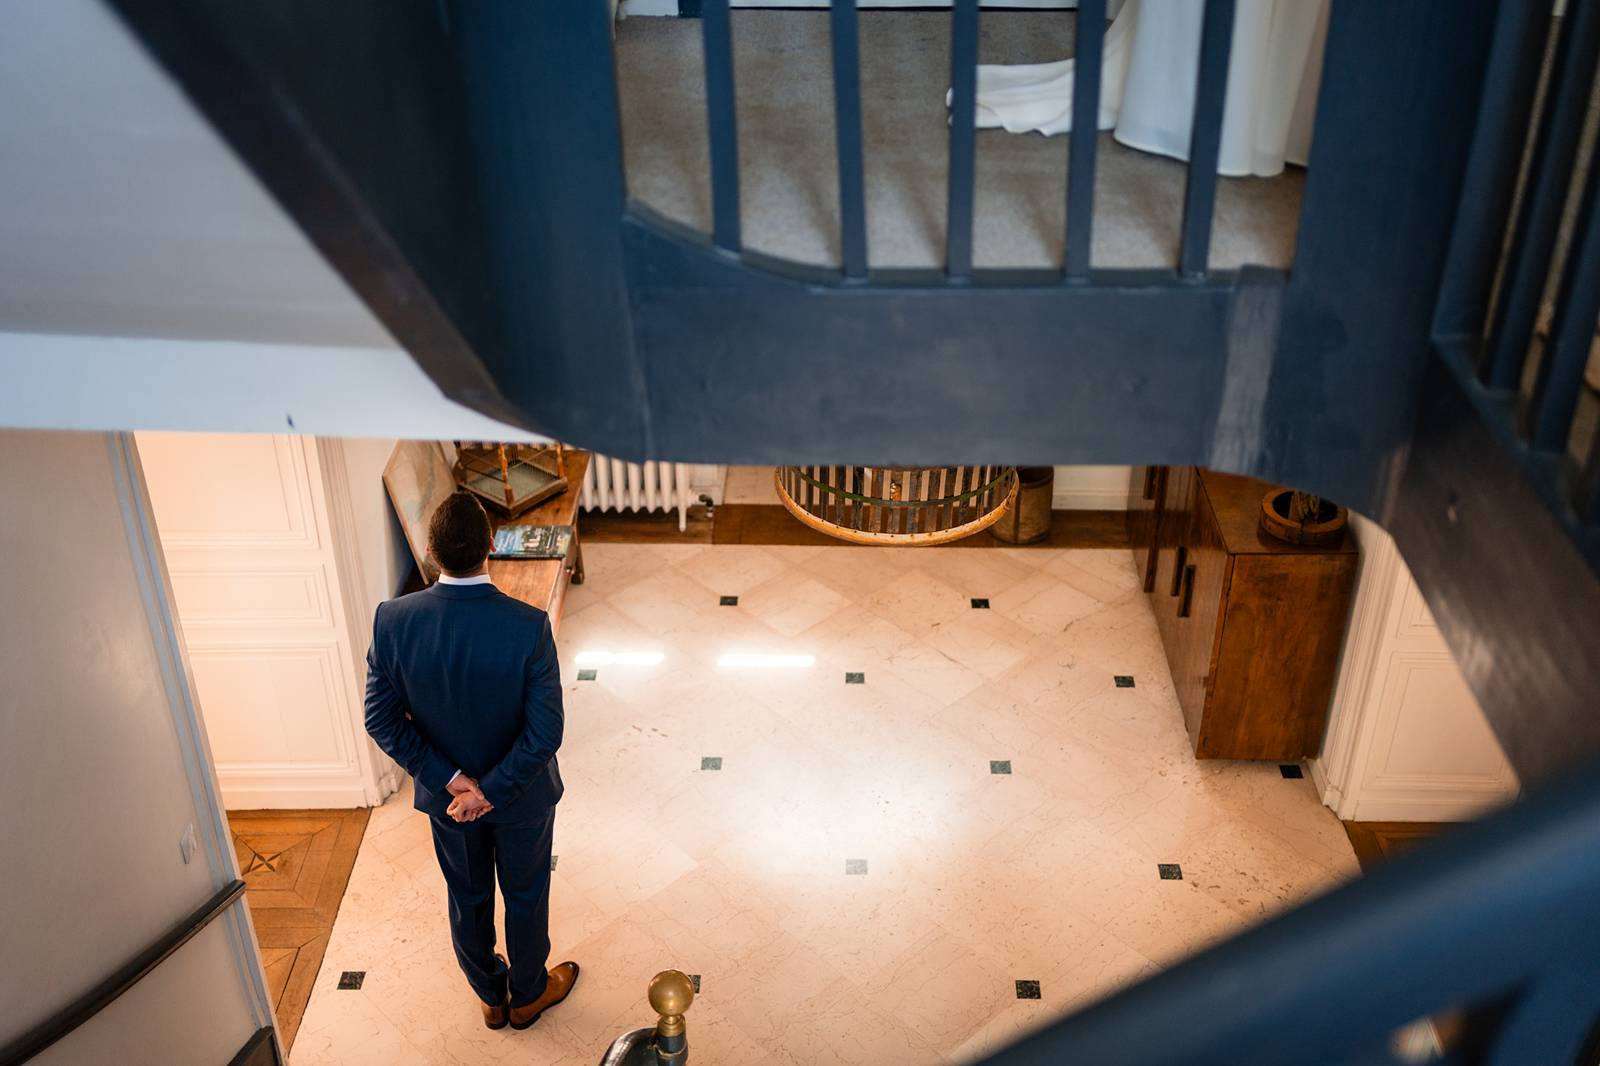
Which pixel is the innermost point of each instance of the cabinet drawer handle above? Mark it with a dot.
(1177, 569)
(1188, 592)
(1149, 482)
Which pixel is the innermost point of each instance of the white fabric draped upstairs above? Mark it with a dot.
(1151, 60)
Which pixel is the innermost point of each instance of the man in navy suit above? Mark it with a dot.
(464, 691)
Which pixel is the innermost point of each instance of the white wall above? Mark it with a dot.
(123, 213)
(77, 382)
(106, 767)
(271, 593)
(148, 281)
(1090, 488)
(1406, 740)
(386, 560)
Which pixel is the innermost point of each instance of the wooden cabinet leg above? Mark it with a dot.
(577, 562)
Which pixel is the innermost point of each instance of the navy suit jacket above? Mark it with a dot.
(476, 671)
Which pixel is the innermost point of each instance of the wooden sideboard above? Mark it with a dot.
(1252, 626)
(543, 582)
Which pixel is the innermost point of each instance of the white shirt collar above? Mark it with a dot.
(475, 579)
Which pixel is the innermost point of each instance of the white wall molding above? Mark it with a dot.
(225, 597)
(278, 496)
(1406, 740)
(1369, 615)
(380, 774)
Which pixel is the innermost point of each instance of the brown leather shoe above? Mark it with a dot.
(495, 1017)
(556, 988)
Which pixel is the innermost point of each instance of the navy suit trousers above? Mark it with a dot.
(470, 854)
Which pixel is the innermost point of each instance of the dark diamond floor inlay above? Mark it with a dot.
(1124, 681)
(727, 601)
(711, 762)
(999, 766)
(1291, 771)
(855, 678)
(980, 603)
(694, 979)
(1028, 990)
(1170, 871)
(588, 675)
(553, 860)
(351, 979)
(855, 866)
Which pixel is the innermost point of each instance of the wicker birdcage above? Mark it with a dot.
(897, 505)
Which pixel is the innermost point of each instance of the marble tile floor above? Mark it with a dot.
(842, 865)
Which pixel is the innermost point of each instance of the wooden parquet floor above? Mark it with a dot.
(1378, 842)
(296, 865)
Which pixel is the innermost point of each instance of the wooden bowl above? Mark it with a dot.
(1327, 527)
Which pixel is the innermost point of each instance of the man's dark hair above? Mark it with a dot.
(458, 534)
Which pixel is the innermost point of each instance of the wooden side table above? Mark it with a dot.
(543, 582)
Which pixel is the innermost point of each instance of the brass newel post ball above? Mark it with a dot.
(671, 992)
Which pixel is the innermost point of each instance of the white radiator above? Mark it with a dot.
(613, 485)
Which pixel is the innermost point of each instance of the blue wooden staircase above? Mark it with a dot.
(460, 163)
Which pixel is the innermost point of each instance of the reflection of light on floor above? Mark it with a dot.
(738, 659)
(620, 658)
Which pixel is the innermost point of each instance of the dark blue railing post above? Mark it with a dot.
(547, 152)
(1088, 53)
(1544, 195)
(1572, 334)
(1394, 125)
(963, 138)
(847, 133)
(1509, 85)
(1205, 138)
(722, 123)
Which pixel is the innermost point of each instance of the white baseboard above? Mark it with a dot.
(291, 797)
(1332, 796)
(285, 800)
(1089, 500)
(1380, 806)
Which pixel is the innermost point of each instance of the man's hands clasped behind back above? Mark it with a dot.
(469, 804)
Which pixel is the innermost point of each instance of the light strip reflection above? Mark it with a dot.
(742, 659)
(620, 658)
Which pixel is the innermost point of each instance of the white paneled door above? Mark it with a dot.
(251, 535)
